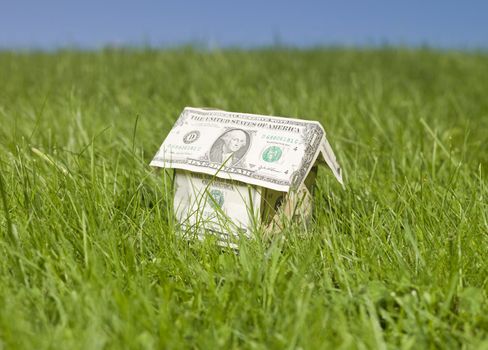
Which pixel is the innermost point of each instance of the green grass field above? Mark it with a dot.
(89, 254)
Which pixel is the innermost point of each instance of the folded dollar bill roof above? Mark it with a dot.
(272, 152)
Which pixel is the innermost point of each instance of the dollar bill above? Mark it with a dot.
(207, 203)
(271, 152)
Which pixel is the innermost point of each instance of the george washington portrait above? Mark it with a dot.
(230, 147)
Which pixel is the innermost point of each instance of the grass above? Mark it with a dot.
(90, 258)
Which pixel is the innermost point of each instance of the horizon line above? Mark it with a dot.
(206, 46)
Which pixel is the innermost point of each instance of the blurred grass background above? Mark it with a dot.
(90, 254)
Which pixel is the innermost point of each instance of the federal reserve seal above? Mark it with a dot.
(191, 137)
(272, 154)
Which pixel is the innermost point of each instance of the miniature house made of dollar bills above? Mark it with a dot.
(235, 172)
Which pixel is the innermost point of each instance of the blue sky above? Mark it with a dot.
(92, 24)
